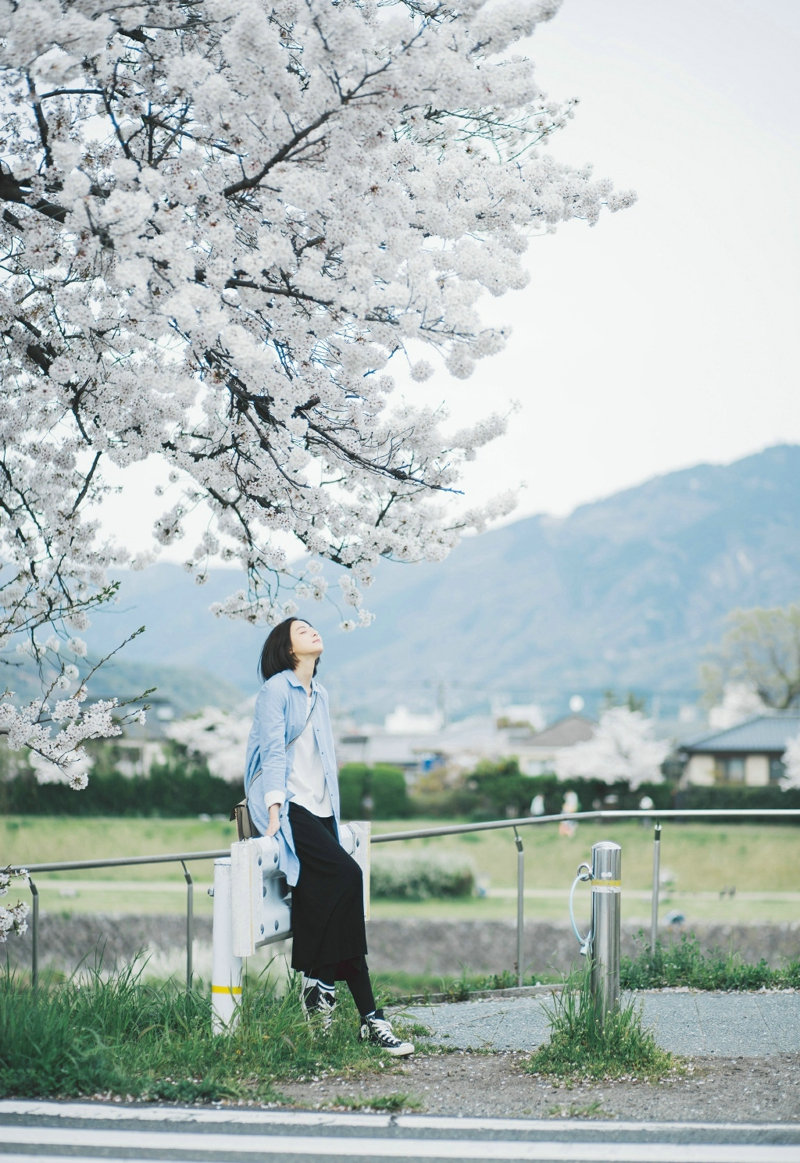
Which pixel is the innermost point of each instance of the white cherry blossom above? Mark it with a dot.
(13, 918)
(225, 228)
(624, 746)
(791, 759)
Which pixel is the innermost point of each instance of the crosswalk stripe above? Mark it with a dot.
(203, 1145)
(229, 1117)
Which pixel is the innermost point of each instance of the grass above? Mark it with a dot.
(389, 1102)
(699, 862)
(590, 1110)
(106, 1036)
(679, 963)
(683, 963)
(399, 986)
(584, 1045)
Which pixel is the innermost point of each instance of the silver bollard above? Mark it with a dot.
(606, 894)
(520, 904)
(656, 889)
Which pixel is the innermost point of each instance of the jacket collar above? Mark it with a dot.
(295, 681)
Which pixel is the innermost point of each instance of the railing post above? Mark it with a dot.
(520, 903)
(606, 899)
(189, 925)
(226, 972)
(34, 935)
(656, 888)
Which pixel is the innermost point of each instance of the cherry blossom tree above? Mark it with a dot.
(224, 225)
(739, 701)
(220, 737)
(624, 746)
(791, 759)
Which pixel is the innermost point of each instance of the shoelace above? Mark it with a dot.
(383, 1030)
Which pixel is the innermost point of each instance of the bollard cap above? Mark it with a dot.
(606, 860)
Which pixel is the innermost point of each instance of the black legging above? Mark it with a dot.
(356, 974)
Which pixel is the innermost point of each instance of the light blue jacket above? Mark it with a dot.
(280, 715)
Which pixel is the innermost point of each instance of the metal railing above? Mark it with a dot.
(182, 858)
(117, 862)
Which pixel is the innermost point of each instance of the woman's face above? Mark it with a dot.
(306, 641)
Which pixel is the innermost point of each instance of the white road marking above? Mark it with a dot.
(205, 1144)
(237, 1116)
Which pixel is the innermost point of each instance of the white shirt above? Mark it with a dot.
(306, 784)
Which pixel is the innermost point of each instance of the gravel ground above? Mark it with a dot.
(496, 1085)
(740, 1055)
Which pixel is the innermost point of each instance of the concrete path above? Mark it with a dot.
(725, 1025)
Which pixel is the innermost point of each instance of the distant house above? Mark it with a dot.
(749, 753)
(538, 755)
(460, 745)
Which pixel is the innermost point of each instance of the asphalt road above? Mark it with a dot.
(686, 1022)
(113, 1132)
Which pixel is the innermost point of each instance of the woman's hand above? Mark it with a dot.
(274, 819)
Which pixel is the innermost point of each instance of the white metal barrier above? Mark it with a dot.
(252, 908)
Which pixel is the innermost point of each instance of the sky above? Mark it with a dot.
(666, 335)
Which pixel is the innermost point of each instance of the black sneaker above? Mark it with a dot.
(318, 1004)
(376, 1029)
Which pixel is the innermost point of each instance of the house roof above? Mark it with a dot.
(763, 735)
(564, 732)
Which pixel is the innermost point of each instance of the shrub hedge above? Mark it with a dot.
(183, 786)
(414, 878)
(377, 793)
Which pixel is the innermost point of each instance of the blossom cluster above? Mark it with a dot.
(13, 918)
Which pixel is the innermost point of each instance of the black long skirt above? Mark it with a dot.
(328, 899)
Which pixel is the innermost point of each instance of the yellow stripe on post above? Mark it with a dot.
(231, 989)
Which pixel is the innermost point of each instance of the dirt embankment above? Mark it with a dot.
(442, 948)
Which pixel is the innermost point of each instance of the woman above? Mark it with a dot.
(293, 794)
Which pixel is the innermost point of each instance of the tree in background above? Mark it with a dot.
(738, 702)
(377, 793)
(761, 650)
(219, 737)
(222, 224)
(623, 747)
(791, 760)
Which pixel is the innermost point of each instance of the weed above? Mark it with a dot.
(592, 1110)
(684, 963)
(584, 1044)
(388, 1102)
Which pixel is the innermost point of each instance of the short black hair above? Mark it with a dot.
(277, 653)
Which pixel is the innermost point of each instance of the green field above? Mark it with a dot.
(698, 862)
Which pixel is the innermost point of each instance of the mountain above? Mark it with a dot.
(625, 593)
